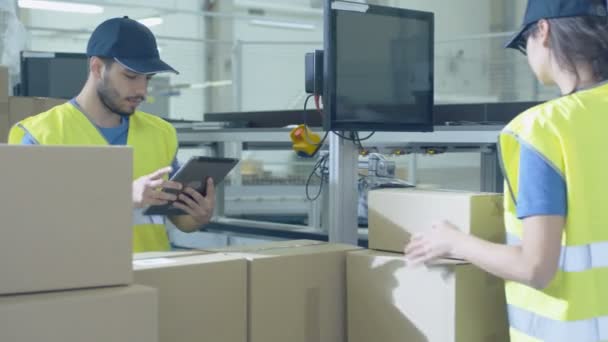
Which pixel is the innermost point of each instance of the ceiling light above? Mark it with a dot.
(211, 84)
(60, 6)
(282, 24)
(153, 21)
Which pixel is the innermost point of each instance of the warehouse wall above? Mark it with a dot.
(266, 63)
(186, 53)
(462, 73)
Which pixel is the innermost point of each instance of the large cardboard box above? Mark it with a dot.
(65, 217)
(24, 107)
(16, 108)
(201, 297)
(395, 214)
(391, 302)
(296, 291)
(117, 314)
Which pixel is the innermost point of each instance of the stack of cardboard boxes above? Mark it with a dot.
(65, 252)
(16, 108)
(450, 301)
(284, 291)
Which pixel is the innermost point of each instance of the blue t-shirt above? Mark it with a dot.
(542, 190)
(113, 135)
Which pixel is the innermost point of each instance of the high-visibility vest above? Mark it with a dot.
(571, 134)
(154, 143)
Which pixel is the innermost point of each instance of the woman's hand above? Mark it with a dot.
(437, 242)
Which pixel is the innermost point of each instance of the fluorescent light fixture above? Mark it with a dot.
(152, 21)
(211, 84)
(204, 85)
(60, 6)
(282, 24)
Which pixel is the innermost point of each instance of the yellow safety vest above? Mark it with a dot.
(154, 143)
(571, 134)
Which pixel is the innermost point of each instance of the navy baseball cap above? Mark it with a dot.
(130, 43)
(549, 9)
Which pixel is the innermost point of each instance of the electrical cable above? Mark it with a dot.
(321, 166)
(304, 116)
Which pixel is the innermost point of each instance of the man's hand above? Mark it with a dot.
(147, 189)
(199, 207)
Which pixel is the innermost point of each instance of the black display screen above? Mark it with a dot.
(57, 75)
(378, 68)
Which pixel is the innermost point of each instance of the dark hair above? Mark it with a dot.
(106, 61)
(576, 40)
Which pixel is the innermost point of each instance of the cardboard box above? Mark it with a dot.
(118, 314)
(390, 302)
(4, 84)
(296, 291)
(395, 214)
(24, 107)
(15, 109)
(65, 217)
(201, 297)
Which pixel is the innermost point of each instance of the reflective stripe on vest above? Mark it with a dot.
(577, 258)
(546, 329)
(567, 132)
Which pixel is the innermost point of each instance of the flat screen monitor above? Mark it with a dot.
(378, 68)
(51, 74)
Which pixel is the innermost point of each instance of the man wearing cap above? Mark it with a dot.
(123, 56)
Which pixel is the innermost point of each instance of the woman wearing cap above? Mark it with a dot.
(555, 164)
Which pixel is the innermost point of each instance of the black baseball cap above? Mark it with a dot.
(549, 9)
(130, 43)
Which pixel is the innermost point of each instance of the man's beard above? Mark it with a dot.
(108, 97)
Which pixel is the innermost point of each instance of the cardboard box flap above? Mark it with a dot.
(295, 248)
(173, 254)
(185, 260)
(269, 246)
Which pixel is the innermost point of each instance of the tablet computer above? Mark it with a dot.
(194, 174)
